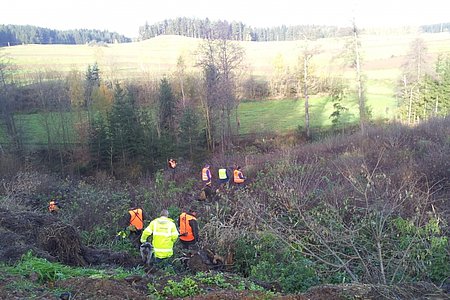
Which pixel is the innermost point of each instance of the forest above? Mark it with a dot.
(11, 35)
(189, 27)
(237, 31)
(359, 208)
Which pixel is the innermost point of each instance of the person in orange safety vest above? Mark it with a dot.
(206, 179)
(172, 163)
(238, 177)
(206, 175)
(133, 223)
(53, 206)
(188, 228)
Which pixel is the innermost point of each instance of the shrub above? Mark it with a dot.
(427, 250)
(268, 259)
(96, 236)
(294, 275)
(187, 287)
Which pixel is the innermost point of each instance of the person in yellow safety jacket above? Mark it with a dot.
(224, 176)
(53, 206)
(165, 234)
(238, 177)
(133, 223)
(188, 228)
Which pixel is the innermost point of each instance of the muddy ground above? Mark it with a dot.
(99, 289)
(49, 238)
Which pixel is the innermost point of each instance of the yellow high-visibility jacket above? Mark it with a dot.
(164, 233)
(223, 174)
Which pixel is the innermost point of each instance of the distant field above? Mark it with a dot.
(382, 55)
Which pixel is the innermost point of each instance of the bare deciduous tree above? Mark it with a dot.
(307, 53)
(7, 104)
(414, 69)
(220, 59)
(356, 48)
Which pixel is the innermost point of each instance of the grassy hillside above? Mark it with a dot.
(382, 54)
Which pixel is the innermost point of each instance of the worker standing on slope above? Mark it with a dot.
(133, 223)
(224, 177)
(206, 179)
(188, 228)
(165, 234)
(172, 163)
(53, 206)
(238, 177)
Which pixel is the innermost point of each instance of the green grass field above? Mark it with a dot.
(279, 116)
(270, 116)
(282, 115)
(40, 129)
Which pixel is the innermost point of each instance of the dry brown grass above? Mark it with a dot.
(383, 55)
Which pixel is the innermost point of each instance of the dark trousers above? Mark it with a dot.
(163, 263)
(223, 183)
(208, 192)
(188, 245)
(135, 238)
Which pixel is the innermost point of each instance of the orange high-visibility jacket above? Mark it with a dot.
(172, 163)
(206, 175)
(186, 231)
(52, 206)
(238, 177)
(136, 218)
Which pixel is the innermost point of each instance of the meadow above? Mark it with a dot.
(270, 116)
(382, 55)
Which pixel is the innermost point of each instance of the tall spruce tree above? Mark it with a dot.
(127, 139)
(92, 82)
(100, 145)
(191, 137)
(166, 108)
(442, 100)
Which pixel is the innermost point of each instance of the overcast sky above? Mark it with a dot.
(125, 16)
